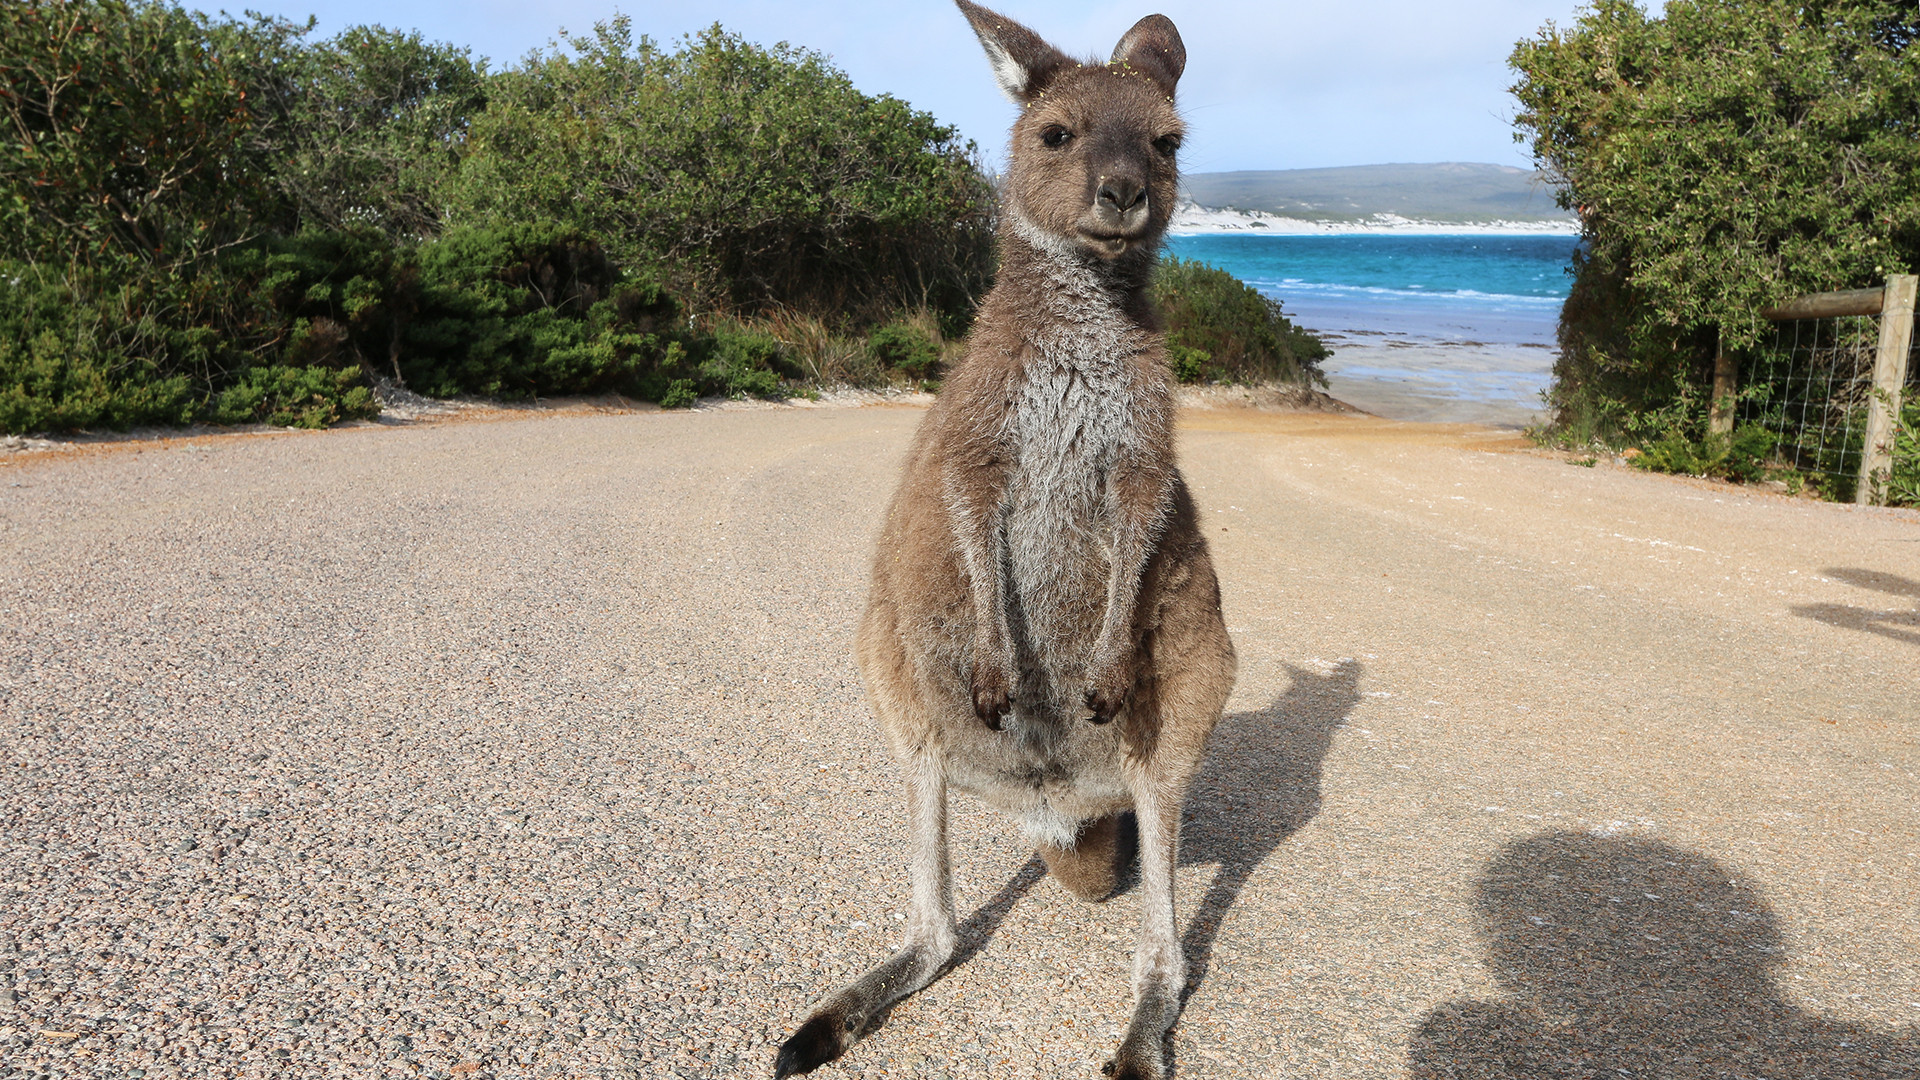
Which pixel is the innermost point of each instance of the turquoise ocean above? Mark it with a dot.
(1443, 317)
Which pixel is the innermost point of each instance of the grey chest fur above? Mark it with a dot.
(1071, 422)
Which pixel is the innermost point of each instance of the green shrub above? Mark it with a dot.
(1191, 365)
(147, 347)
(755, 177)
(365, 126)
(1723, 156)
(126, 134)
(905, 348)
(1904, 488)
(515, 312)
(306, 397)
(1220, 329)
(739, 360)
(48, 385)
(1748, 450)
(215, 219)
(680, 394)
(1741, 456)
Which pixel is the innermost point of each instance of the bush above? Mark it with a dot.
(365, 127)
(291, 330)
(307, 397)
(754, 177)
(681, 393)
(1723, 157)
(738, 360)
(150, 347)
(1741, 456)
(906, 348)
(517, 311)
(125, 134)
(206, 219)
(139, 164)
(1901, 486)
(1220, 329)
(1191, 365)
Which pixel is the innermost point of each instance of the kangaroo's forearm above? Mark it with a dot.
(1139, 499)
(973, 504)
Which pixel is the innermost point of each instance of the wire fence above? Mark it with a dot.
(1813, 388)
(1810, 388)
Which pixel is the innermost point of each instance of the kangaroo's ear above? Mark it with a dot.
(1023, 64)
(1153, 46)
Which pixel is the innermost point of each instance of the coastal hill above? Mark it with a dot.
(1383, 196)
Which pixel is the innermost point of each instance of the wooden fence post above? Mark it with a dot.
(1725, 376)
(1889, 379)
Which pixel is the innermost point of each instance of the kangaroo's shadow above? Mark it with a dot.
(1259, 785)
(1633, 957)
(973, 935)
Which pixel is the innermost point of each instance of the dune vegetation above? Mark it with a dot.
(228, 220)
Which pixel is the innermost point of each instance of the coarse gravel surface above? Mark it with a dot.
(533, 748)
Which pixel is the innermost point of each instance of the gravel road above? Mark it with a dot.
(533, 748)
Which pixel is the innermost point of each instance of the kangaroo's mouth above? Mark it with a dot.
(1110, 246)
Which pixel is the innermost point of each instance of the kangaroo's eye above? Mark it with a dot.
(1167, 144)
(1055, 136)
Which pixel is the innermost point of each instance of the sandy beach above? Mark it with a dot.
(1456, 383)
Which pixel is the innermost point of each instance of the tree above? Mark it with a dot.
(125, 135)
(1722, 157)
(364, 127)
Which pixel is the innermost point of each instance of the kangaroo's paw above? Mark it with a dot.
(1138, 1060)
(1108, 690)
(861, 1005)
(992, 692)
(1132, 1070)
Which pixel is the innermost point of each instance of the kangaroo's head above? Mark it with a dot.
(1092, 167)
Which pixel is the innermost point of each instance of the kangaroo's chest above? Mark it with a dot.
(1070, 428)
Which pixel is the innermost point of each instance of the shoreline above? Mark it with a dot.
(1456, 382)
(1190, 219)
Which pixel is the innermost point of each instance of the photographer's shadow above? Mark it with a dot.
(1260, 784)
(1629, 957)
(1902, 626)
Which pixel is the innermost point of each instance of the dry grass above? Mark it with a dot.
(826, 357)
(830, 357)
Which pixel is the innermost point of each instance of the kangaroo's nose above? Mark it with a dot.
(1120, 194)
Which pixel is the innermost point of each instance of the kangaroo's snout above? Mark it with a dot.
(1121, 202)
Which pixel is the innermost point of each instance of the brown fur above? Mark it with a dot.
(1041, 571)
(1091, 867)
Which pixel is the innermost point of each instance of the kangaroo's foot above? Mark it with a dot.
(860, 1005)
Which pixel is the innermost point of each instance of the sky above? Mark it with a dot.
(1280, 84)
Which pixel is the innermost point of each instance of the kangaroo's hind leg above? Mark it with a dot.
(1190, 668)
(850, 1012)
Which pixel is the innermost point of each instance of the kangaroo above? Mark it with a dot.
(1044, 626)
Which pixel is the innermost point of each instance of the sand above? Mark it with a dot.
(1479, 383)
(533, 748)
